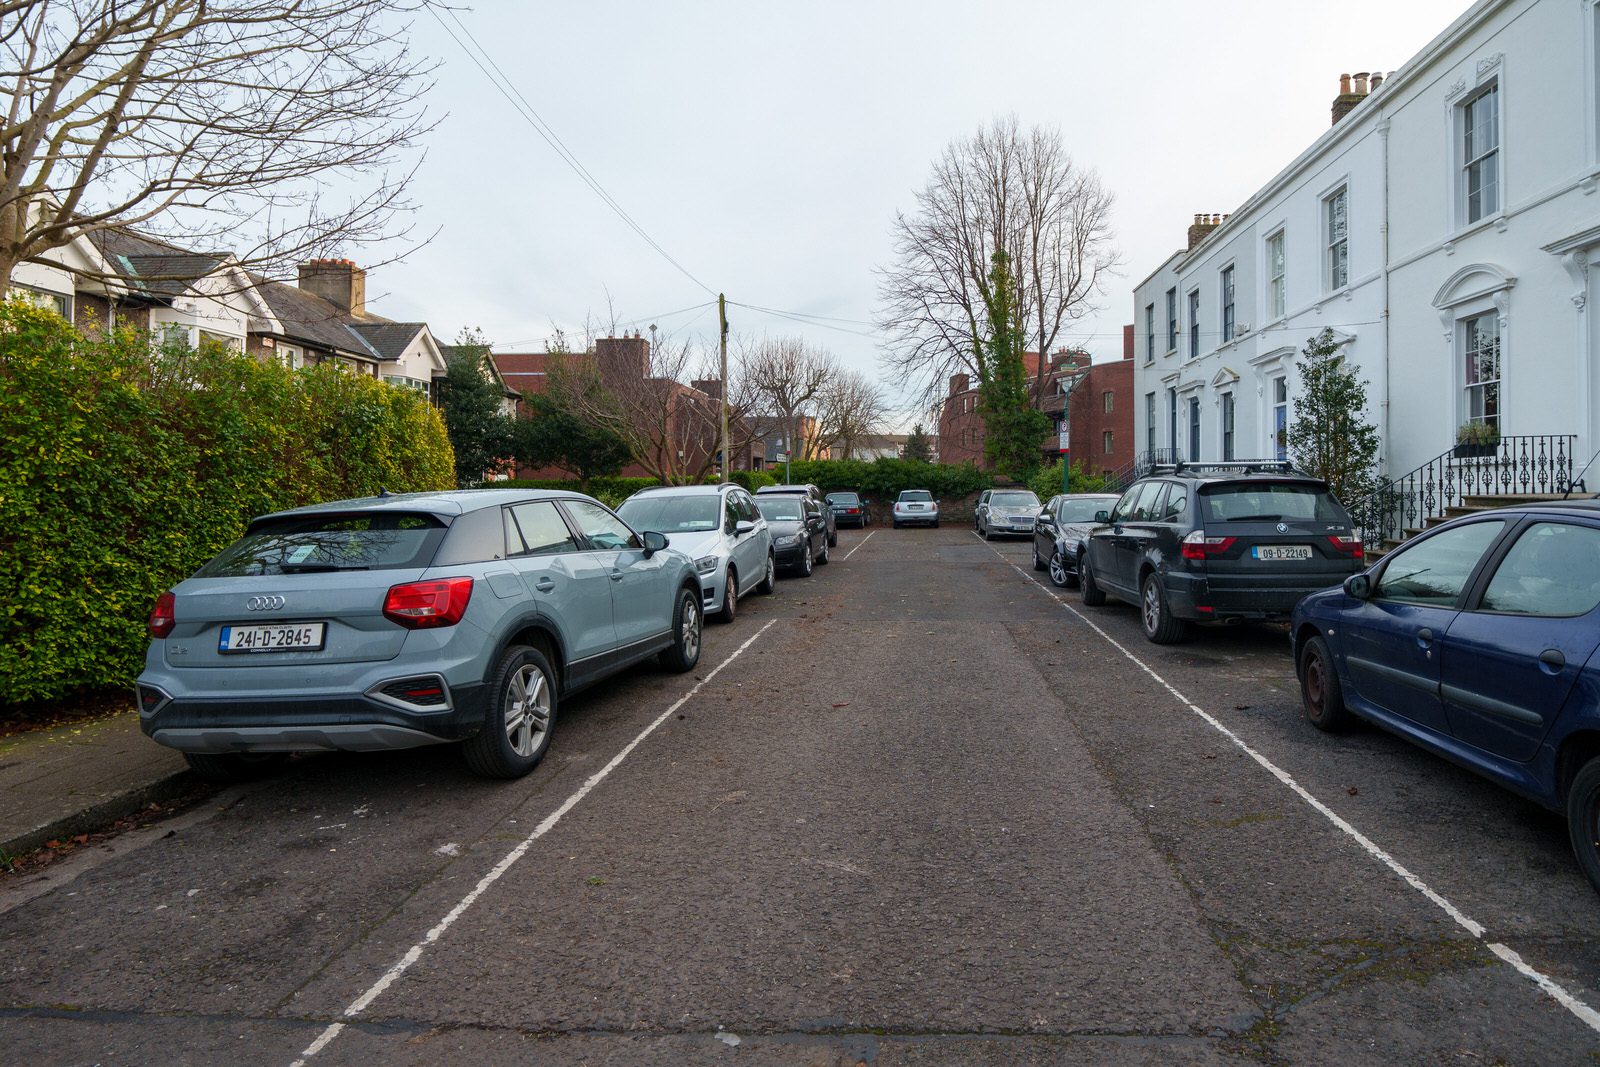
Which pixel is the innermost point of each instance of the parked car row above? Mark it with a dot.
(1477, 640)
(470, 616)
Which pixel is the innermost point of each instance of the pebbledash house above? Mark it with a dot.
(1446, 228)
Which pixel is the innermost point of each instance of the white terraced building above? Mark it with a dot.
(1446, 228)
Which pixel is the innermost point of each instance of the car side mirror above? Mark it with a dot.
(654, 542)
(743, 527)
(1102, 516)
(1358, 586)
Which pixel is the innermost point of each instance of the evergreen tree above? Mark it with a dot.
(551, 435)
(1330, 436)
(1013, 427)
(918, 448)
(470, 403)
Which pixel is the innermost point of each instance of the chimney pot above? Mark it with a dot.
(1344, 84)
(1361, 83)
(1377, 80)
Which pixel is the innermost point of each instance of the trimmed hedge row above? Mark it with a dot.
(883, 479)
(121, 471)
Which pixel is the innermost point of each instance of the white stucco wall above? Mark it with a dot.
(1401, 314)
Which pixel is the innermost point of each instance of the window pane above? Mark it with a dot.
(1553, 569)
(537, 529)
(1436, 570)
(603, 529)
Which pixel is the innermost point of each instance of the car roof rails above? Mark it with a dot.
(1238, 466)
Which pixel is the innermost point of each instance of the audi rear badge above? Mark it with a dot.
(264, 603)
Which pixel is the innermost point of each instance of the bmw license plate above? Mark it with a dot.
(1281, 551)
(283, 637)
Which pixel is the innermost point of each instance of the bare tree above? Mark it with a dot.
(788, 378)
(206, 121)
(850, 407)
(1002, 191)
(671, 428)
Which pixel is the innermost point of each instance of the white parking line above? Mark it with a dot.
(856, 549)
(1560, 995)
(414, 954)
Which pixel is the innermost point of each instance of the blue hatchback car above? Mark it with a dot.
(1476, 640)
(403, 620)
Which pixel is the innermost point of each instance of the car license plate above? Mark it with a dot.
(1281, 551)
(285, 637)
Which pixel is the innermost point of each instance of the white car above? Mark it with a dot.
(916, 507)
(719, 528)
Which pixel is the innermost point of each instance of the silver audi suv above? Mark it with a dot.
(403, 620)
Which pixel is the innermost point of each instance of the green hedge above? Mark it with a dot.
(883, 479)
(1046, 481)
(123, 471)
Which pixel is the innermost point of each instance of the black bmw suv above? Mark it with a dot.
(1218, 542)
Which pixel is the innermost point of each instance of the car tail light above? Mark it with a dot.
(163, 617)
(1198, 546)
(426, 605)
(1350, 546)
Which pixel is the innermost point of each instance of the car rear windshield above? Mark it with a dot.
(779, 509)
(916, 494)
(1013, 500)
(665, 514)
(1269, 502)
(305, 544)
(847, 499)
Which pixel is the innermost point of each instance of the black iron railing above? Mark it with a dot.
(1514, 466)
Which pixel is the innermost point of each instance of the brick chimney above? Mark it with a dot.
(958, 383)
(1349, 97)
(1202, 227)
(338, 281)
(712, 387)
(626, 357)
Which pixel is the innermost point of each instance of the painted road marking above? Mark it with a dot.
(414, 954)
(856, 549)
(1562, 996)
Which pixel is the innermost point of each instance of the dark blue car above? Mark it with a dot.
(1476, 640)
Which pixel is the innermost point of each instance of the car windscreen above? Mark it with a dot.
(916, 495)
(1269, 502)
(308, 543)
(779, 509)
(666, 514)
(1013, 500)
(1084, 510)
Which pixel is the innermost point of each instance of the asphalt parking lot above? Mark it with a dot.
(918, 808)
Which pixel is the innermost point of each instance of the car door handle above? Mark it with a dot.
(1552, 657)
(1424, 636)
(616, 576)
(544, 585)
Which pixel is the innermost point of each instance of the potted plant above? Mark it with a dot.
(1476, 438)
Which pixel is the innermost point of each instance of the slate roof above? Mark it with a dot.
(153, 267)
(311, 319)
(389, 339)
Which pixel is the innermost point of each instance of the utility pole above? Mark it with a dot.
(722, 318)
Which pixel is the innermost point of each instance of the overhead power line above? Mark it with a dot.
(520, 104)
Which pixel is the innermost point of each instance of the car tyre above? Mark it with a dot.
(769, 584)
(520, 718)
(805, 564)
(822, 557)
(833, 538)
(229, 768)
(896, 524)
(935, 524)
(730, 598)
(1583, 820)
(1090, 593)
(1321, 694)
(1160, 625)
(1038, 564)
(687, 623)
(1058, 570)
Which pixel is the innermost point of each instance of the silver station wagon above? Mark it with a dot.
(404, 620)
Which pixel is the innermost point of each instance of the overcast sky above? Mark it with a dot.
(766, 147)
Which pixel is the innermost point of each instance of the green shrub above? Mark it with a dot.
(121, 471)
(883, 479)
(1046, 481)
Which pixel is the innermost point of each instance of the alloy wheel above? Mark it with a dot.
(527, 709)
